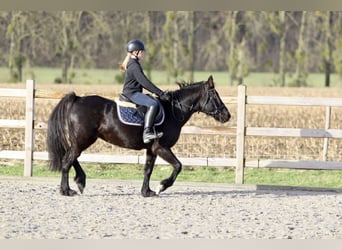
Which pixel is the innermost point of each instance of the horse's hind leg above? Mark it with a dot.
(80, 177)
(65, 188)
(68, 161)
(148, 168)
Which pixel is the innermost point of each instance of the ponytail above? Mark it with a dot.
(123, 65)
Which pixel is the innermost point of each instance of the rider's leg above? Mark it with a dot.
(149, 133)
(152, 110)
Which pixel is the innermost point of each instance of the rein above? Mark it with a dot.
(175, 101)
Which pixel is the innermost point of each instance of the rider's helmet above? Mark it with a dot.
(135, 44)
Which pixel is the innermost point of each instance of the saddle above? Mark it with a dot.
(130, 113)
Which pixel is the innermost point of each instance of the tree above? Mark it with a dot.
(232, 63)
(276, 21)
(170, 46)
(282, 47)
(19, 31)
(178, 41)
(192, 20)
(327, 52)
(337, 55)
(26, 34)
(300, 55)
(151, 41)
(67, 43)
(74, 34)
(235, 32)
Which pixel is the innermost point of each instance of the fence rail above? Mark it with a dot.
(241, 131)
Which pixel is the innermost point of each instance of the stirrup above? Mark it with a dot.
(151, 135)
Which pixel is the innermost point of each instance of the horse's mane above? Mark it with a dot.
(184, 84)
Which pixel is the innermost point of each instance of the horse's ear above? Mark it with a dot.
(211, 82)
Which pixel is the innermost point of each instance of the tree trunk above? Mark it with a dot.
(231, 59)
(175, 49)
(65, 67)
(300, 76)
(282, 50)
(241, 57)
(328, 48)
(170, 45)
(150, 44)
(11, 57)
(16, 57)
(191, 46)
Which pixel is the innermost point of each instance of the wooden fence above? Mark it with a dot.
(240, 131)
(27, 124)
(243, 131)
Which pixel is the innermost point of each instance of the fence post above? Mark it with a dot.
(327, 126)
(240, 134)
(29, 127)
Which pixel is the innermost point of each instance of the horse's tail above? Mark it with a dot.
(58, 137)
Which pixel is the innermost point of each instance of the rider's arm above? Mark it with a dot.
(144, 81)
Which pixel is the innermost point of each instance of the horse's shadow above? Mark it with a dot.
(259, 190)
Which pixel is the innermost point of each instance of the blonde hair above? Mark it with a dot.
(123, 65)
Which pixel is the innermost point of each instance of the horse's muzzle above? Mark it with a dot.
(223, 115)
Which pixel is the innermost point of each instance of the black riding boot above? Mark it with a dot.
(149, 132)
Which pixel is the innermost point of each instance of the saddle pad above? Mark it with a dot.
(130, 116)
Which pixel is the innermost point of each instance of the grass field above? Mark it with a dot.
(284, 177)
(107, 76)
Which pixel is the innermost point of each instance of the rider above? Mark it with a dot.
(135, 82)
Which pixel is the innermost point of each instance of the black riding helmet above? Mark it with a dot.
(135, 44)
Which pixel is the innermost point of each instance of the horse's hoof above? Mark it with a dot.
(81, 183)
(149, 193)
(160, 189)
(80, 187)
(68, 192)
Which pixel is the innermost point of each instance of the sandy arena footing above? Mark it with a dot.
(32, 208)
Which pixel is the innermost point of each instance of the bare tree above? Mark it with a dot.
(235, 32)
(300, 55)
(327, 54)
(75, 33)
(68, 44)
(191, 45)
(234, 41)
(171, 46)
(337, 55)
(151, 41)
(231, 35)
(276, 22)
(20, 33)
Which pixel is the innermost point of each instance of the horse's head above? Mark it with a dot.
(199, 97)
(211, 103)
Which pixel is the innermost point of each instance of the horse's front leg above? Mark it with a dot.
(148, 169)
(167, 155)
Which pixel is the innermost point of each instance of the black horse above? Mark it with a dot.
(76, 123)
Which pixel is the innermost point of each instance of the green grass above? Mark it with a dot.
(280, 177)
(295, 177)
(44, 75)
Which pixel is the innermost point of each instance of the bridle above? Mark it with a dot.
(211, 94)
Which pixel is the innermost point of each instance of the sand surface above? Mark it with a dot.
(32, 208)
